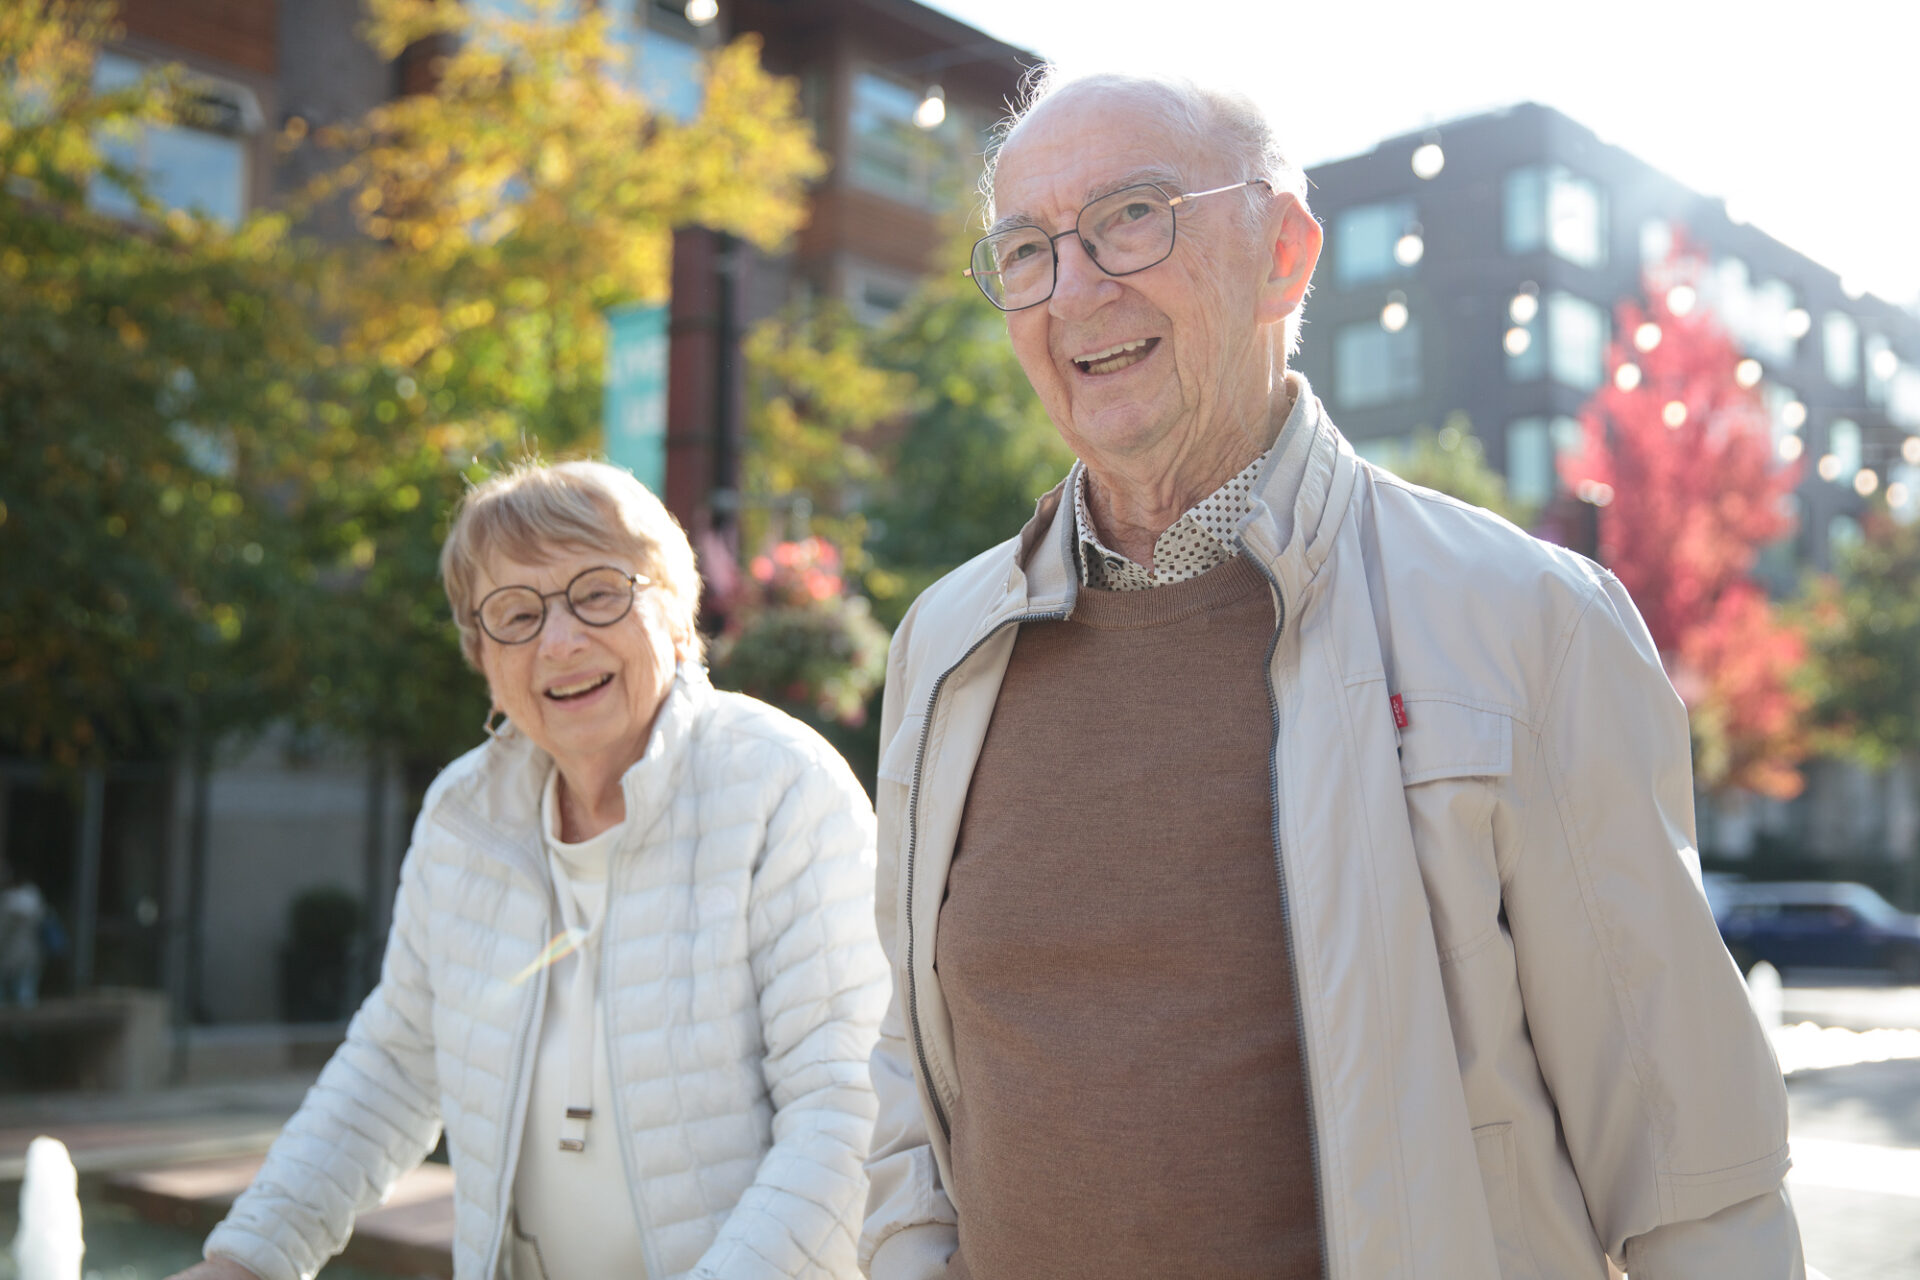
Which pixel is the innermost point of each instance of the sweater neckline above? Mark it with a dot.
(1226, 583)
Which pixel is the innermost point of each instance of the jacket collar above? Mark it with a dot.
(1298, 505)
(504, 791)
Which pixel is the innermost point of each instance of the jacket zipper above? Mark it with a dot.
(913, 845)
(621, 1133)
(1286, 910)
(479, 832)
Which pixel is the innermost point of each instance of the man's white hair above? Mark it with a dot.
(1220, 121)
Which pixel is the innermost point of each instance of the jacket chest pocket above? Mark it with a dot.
(1454, 760)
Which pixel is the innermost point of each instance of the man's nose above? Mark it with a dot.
(1078, 280)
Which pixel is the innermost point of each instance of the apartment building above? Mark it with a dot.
(1474, 267)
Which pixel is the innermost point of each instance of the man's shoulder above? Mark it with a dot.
(1476, 609)
(1474, 550)
(948, 613)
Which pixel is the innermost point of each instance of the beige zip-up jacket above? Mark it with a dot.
(1528, 1053)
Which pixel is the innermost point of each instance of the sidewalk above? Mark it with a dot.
(180, 1156)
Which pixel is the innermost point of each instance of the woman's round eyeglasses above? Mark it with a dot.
(1123, 232)
(599, 597)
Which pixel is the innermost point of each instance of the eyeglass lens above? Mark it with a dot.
(598, 597)
(1127, 231)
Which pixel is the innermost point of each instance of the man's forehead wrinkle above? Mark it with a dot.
(1158, 174)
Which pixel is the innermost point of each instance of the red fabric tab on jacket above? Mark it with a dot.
(1399, 712)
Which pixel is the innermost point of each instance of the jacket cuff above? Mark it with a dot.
(918, 1252)
(256, 1254)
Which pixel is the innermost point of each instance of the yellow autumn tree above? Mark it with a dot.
(262, 431)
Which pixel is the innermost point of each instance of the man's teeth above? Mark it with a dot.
(575, 690)
(1116, 357)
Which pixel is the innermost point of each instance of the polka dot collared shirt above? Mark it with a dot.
(1200, 539)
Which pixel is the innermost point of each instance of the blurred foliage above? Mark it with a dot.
(976, 451)
(1452, 461)
(227, 455)
(1863, 624)
(1680, 464)
(144, 390)
(912, 446)
(801, 640)
(814, 403)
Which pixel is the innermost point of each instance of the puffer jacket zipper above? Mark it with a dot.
(622, 1133)
(1286, 908)
(480, 833)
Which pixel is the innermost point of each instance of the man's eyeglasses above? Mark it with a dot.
(1124, 232)
(598, 597)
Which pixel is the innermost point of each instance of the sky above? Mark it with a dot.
(1804, 117)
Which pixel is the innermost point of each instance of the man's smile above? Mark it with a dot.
(1115, 358)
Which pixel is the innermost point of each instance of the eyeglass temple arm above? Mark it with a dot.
(1174, 202)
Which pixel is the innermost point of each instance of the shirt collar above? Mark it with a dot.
(1204, 536)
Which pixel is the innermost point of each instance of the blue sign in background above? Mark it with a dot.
(635, 417)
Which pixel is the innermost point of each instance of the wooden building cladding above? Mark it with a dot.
(241, 33)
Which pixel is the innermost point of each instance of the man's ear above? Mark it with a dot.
(1295, 248)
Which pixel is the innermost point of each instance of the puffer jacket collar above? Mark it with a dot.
(504, 791)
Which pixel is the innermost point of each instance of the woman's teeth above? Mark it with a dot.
(575, 690)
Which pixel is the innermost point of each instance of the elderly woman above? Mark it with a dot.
(632, 969)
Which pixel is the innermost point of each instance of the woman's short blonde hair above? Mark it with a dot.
(536, 509)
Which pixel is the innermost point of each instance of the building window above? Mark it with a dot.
(664, 64)
(1656, 242)
(1373, 366)
(1365, 240)
(1841, 342)
(1903, 398)
(1547, 207)
(1881, 365)
(1779, 561)
(1526, 349)
(1534, 449)
(1383, 451)
(1843, 535)
(873, 294)
(1576, 341)
(1756, 313)
(1843, 443)
(203, 169)
(670, 75)
(892, 155)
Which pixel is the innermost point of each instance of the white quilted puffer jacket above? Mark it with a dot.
(746, 988)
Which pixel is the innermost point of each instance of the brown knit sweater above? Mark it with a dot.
(1112, 951)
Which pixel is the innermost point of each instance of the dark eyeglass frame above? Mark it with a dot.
(635, 580)
(1173, 235)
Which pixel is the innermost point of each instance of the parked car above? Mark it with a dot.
(1817, 925)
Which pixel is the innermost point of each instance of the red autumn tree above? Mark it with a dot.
(1677, 453)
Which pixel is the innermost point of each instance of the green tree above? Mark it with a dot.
(1452, 461)
(144, 409)
(504, 212)
(1864, 622)
(227, 456)
(815, 403)
(977, 449)
(1863, 629)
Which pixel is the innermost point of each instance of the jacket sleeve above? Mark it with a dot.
(822, 983)
(371, 1117)
(911, 1228)
(1669, 1096)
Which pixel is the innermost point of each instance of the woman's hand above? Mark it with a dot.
(215, 1268)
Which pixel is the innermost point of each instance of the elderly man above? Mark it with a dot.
(1286, 871)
